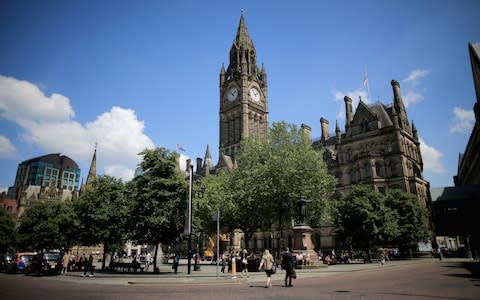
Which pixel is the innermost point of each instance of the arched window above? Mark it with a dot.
(353, 176)
(368, 170)
(378, 169)
(393, 171)
(364, 125)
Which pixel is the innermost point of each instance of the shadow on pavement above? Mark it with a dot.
(472, 267)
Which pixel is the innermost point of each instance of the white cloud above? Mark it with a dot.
(411, 97)
(432, 158)
(412, 80)
(463, 120)
(354, 95)
(119, 133)
(6, 147)
(22, 101)
(415, 75)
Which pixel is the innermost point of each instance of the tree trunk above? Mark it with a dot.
(105, 249)
(155, 269)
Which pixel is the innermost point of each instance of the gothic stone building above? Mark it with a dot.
(243, 102)
(378, 146)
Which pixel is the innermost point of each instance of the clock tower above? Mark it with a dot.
(243, 95)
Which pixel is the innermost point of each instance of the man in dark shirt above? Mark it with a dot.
(89, 266)
(287, 265)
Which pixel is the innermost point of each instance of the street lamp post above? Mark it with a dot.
(190, 217)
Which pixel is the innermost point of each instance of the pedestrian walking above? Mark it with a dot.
(65, 261)
(148, 259)
(244, 257)
(382, 257)
(89, 266)
(176, 261)
(267, 264)
(287, 265)
(224, 261)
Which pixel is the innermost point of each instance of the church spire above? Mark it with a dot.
(207, 160)
(92, 172)
(242, 54)
(243, 38)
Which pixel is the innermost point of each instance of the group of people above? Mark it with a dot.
(227, 259)
(72, 262)
(268, 265)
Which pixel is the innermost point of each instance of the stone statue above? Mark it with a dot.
(301, 211)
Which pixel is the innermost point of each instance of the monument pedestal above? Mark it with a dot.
(302, 243)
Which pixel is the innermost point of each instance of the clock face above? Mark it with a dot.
(232, 94)
(254, 94)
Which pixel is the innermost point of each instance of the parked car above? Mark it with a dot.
(7, 263)
(45, 263)
(22, 260)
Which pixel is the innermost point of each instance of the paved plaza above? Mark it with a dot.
(408, 279)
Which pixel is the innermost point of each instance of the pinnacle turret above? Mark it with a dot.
(242, 54)
(242, 39)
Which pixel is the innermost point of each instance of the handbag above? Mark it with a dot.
(293, 274)
(274, 269)
(244, 261)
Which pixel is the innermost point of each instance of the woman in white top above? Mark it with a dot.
(267, 263)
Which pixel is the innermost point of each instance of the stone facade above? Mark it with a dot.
(469, 162)
(243, 96)
(378, 148)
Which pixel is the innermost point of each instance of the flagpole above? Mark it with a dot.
(367, 84)
(218, 240)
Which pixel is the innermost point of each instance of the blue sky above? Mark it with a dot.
(136, 74)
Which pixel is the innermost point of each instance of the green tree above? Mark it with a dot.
(363, 221)
(42, 226)
(159, 200)
(270, 176)
(210, 196)
(413, 220)
(102, 212)
(7, 232)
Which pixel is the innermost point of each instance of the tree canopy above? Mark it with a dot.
(270, 176)
(159, 199)
(42, 226)
(412, 217)
(366, 219)
(7, 232)
(102, 212)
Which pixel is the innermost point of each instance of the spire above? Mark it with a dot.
(263, 74)
(222, 75)
(208, 157)
(243, 53)
(92, 173)
(337, 132)
(414, 131)
(242, 38)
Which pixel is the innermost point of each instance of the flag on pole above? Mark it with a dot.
(365, 79)
(365, 83)
(180, 148)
